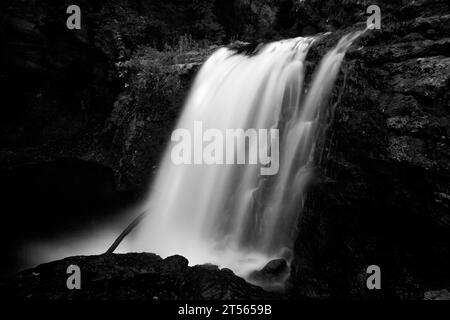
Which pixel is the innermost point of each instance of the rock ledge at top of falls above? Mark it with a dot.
(131, 276)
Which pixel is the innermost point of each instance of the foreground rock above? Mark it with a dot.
(137, 276)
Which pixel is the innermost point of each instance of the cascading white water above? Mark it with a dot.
(231, 215)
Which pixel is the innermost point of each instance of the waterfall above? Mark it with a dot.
(231, 214)
(236, 211)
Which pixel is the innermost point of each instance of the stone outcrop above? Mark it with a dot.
(132, 276)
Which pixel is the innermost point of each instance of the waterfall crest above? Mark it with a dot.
(230, 214)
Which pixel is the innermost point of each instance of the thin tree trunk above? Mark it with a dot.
(125, 232)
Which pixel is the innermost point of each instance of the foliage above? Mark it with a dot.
(154, 85)
(149, 78)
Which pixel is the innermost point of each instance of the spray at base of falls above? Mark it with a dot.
(231, 215)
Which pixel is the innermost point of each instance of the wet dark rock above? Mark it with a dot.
(227, 270)
(138, 276)
(274, 270)
(208, 266)
(174, 264)
(380, 193)
(275, 267)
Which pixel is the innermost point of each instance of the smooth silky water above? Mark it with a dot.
(230, 214)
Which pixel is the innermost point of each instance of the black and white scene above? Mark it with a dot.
(225, 150)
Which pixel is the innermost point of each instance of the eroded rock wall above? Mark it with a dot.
(382, 191)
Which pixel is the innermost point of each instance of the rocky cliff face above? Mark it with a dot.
(139, 126)
(382, 193)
